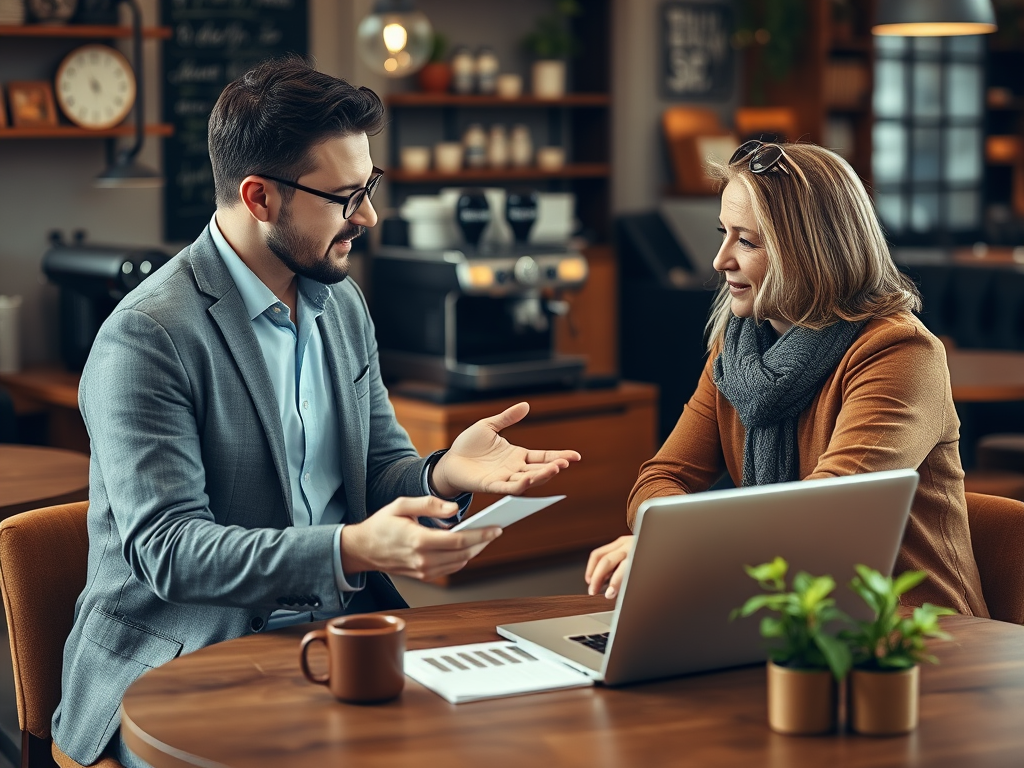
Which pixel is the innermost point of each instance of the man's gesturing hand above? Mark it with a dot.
(392, 540)
(481, 460)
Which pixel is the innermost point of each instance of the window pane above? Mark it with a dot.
(925, 162)
(889, 89)
(890, 45)
(890, 211)
(964, 210)
(966, 46)
(889, 152)
(926, 47)
(963, 155)
(924, 211)
(926, 94)
(963, 90)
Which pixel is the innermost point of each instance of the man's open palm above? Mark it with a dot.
(481, 460)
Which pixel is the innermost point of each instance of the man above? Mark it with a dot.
(247, 468)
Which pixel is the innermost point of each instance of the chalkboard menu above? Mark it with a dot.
(212, 43)
(698, 61)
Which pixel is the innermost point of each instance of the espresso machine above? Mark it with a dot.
(92, 280)
(468, 319)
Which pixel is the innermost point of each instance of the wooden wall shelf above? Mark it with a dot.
(531, 173)
(418, 99)
(71, 132)
(80, 30)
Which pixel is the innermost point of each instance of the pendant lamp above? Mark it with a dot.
(934, 18)
(396, 39)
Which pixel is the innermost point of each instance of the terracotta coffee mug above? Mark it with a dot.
(364, 657)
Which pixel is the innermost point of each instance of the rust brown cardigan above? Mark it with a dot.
(888, 405)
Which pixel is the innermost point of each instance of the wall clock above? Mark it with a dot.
(95, 87)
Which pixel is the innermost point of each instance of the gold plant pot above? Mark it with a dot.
(800, 701)
(884, 703)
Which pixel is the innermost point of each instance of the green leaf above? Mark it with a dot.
(836, 652)
(772, 573)
(907, 581)
(772, 627)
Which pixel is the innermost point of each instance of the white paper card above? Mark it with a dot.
(506, 511)
(462, 673)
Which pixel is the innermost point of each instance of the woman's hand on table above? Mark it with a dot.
(608, 564)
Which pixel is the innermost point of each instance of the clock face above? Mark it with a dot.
(95, 87)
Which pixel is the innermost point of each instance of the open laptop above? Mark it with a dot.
(686, 573)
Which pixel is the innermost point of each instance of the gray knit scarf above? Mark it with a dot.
(770, 380)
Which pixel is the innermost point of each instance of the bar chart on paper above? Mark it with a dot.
(463, 673)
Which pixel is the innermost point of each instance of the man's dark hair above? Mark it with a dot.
(269, 119)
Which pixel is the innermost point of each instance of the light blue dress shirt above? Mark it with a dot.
(305, 402)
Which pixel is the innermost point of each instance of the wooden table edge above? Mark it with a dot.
(155, 751)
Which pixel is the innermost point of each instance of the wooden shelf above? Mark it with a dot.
(72, 132)
(80, 31)
(418, 99)
(570, 171)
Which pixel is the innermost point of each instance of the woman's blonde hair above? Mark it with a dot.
(827, 256)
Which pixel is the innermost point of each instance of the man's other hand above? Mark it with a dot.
(481, 460)
(392, 540)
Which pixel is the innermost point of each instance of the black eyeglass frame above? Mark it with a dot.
(345, 201)
(764, 157)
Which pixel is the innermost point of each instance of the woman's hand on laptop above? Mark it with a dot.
(608, 564)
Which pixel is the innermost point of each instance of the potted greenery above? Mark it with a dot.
(551, 43)
(883, 689)
(436, 74)
(805, 667)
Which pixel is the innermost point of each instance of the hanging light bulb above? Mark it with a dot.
(396, 38)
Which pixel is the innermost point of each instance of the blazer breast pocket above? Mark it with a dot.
(362, 382)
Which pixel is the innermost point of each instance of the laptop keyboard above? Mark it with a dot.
(598, 642)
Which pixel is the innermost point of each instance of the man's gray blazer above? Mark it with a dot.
(190, 529)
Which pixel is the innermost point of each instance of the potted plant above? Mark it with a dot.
(883, 689)
(551, 43)
(436, 74)
(805, 667)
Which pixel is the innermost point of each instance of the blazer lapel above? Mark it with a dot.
(229, 314)
(342, 364)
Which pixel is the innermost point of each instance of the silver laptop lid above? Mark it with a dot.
(686, 572)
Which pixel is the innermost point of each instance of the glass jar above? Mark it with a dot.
(463, 70)
(474, 140)
(497, 147)
(486, 71)
(520, 146)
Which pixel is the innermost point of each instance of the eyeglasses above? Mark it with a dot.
(763, 157)
(350, 203)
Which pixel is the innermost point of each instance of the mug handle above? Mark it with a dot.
(316, 636)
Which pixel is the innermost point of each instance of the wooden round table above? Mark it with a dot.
(245, 703)
(32, 477)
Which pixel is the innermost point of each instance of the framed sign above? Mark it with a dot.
(213, 42)
(698, 62)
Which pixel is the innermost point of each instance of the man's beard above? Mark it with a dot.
(299, 252)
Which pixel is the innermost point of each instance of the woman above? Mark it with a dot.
(817, 367)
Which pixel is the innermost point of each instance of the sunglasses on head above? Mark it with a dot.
(762, 157)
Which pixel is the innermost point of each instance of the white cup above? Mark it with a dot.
(10, 348)
(415, 159)
(551, 158)
(509, 86)
(448, 156)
